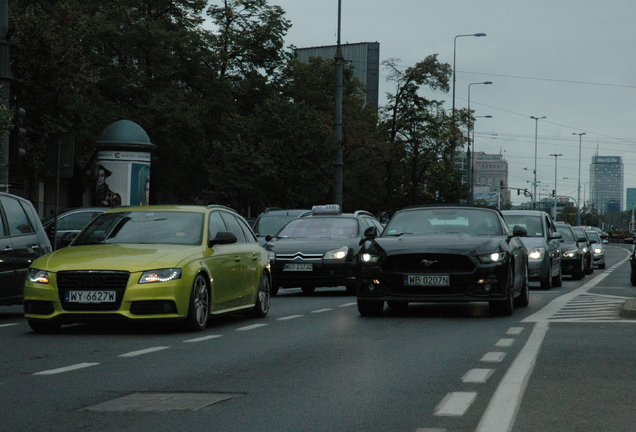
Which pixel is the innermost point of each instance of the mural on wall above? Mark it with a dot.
(122, 178)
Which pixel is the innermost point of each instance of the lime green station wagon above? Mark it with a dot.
(151, 263)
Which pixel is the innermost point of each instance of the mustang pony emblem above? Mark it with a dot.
(426, 263)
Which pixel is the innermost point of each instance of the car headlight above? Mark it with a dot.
(368, 258)
(492, 257)
(338, 254)
(536, 253)
(598, 250)
(38, 276)
(584, 250)
(569, 254)
(162, 275)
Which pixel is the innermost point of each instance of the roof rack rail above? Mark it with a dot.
(363, 212)
(221, 206)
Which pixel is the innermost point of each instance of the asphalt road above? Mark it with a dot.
(565, 363)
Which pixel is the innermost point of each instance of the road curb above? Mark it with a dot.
(629, 309)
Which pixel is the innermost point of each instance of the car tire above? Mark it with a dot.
(601, 266)
(557, 281)
(505, 307)
(261, 307)
(274, 290)
(580, 272)
(523, 299)
(370, 307)
(546, 283)
(633, 279)
(308, 289)
(199, 310)
(352, 288)
(44, 326)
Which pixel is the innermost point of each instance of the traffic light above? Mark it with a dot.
(16, 151)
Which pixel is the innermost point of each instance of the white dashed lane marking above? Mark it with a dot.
(493, 357)
(455, 404)
(143, 351)
(66, 369)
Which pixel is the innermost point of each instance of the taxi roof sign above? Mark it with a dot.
(326, 209)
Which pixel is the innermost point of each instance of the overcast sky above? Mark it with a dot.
(573, 61)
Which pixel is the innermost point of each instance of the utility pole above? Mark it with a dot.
(5, 81)
(337, 126)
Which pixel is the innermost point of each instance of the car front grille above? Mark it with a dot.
(421, 263)
(92, 280)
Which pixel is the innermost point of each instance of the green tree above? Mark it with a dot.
(420, 146)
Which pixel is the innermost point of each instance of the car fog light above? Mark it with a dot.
(371, 287)
(487, 287)
(168, 307)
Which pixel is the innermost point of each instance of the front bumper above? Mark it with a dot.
(322, 274)
(164, 300)
(467, 282)
(571, 265)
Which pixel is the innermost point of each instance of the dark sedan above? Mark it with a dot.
(319, 249)
(450, 253)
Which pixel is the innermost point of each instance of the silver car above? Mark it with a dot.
(598, 248)
(542, 243)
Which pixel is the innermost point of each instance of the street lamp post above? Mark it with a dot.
(578, 189)
(469, 158)
(556, 155)
(455, 57)
(536, 127)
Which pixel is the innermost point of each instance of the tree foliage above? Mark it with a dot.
(420, 138)
(235, 117)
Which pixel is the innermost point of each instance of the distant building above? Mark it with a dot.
(490, 176)
(630, 199)
(606, 183)
(365, 58)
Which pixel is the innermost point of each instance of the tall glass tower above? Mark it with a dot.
(606, 183)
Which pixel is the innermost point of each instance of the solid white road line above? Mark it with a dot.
(8, 325)
(66, 369)
(143, 351)
(503, 406)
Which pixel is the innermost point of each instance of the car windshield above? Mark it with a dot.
(144, 227)
(270, 225)
(321, 227)
(594, 236)
(566, 233)
(531, 223)
(444, 221)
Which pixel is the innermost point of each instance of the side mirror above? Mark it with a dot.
(555, 235)
(222, 237)
(66, 239)
(369, 233)
(519, 231)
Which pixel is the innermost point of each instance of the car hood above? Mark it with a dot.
(319, 245)
(456, 243)
(532, 242)
(129, 257)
